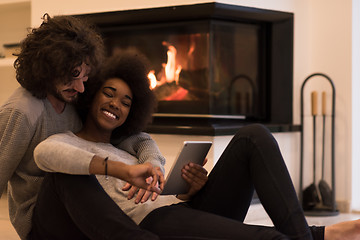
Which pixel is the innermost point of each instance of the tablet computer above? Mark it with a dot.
(192, 151)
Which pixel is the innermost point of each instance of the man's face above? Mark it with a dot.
(69, 92)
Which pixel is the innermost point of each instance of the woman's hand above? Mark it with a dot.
(150, 179)
(196, 176)
(142, 194)
(145, 176)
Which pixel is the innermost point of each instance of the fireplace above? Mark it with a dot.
(214, 66)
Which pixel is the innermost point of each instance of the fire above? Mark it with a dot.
(152, 78)
(171, 69)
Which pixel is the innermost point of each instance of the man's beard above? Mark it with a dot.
(58, 95)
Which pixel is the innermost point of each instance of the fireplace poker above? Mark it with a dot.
(310, 194)
(325, 190)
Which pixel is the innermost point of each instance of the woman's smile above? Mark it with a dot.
(110, 114)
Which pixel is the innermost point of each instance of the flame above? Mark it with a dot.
(152, 78)
(172, 69)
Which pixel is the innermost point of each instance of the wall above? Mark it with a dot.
(322, 44)
(355, 107)
(331, 29)
(15, 19)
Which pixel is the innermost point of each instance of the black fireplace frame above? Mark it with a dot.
(279, 69)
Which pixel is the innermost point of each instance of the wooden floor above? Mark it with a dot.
(256, 215)
(7, 232)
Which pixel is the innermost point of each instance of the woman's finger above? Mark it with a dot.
(197, 178)
(195, 171)
(154, 196)
(132, 192)
(142, 196)
(205, 161)
(126, 187)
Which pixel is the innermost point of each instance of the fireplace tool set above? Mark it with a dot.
(318, 199)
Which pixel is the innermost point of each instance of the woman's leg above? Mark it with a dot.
(77, 207)
(180, 221)
(253, 159)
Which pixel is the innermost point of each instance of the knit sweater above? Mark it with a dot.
(25, 121)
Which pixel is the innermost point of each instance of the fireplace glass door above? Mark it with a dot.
(209, 68)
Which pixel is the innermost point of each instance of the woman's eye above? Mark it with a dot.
(127, 104)
(107, 94)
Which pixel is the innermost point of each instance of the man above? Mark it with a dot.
(55, 61)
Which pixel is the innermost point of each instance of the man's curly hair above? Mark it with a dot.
(50, 52)
(131, 67)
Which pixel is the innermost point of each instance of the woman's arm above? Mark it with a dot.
(53, 155)
(133, 174)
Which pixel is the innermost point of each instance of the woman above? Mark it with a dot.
(216, 206)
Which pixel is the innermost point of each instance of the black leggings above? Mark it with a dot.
(76, 207)
(251, 160)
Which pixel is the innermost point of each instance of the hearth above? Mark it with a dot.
(213, 65)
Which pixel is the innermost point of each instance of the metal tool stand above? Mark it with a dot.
(319, 210)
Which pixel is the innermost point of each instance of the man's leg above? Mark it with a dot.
(71, 206)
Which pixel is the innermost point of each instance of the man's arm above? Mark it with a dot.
(53, 155)
(146, 151)
(144, 148)
(59, 154)
(15, 135)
